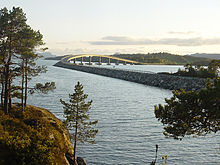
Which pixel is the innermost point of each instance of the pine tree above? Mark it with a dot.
(191, 112)
(77, 117)
(29, 40)
(11, 23)
(18, 43)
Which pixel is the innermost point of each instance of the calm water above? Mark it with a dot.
(128, 130)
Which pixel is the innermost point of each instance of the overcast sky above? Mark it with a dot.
(124, 26)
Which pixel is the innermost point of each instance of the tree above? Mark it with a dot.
(77, 117)
(11, 23)
(18, 43)
(213, 67)
(211, 71)
(27, 68)
(191, 112)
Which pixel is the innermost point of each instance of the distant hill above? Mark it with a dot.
(50, 56)
(54, 58)
(165, 58)
(47, 54)
(155, 58)
(205, 55)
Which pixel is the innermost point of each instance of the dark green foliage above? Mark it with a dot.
(77, 117)
(78, 111)
(164, 58)
(191, 112)
(43, 88)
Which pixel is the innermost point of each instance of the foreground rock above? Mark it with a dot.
(34, 136)
(81, 161)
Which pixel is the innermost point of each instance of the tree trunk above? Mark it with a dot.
(6, 93)
(26, 83)
(2, 92)
(9, 94)
(3, 86)
(75, 136)
(7, 77)
(22, 86)
(75, 140)
(3, 81)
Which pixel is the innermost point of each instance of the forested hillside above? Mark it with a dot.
(164, 58)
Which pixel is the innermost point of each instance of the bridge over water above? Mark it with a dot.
(98, 59)
(147, 78)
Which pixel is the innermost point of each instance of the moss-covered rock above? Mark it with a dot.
(33, 136)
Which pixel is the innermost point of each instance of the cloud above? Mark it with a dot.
(123, 40)
(182, 33)
(62, 43)
(67, 51)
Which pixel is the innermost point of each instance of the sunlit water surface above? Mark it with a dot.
(128, 130)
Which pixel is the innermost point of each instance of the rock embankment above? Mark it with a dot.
(151, 79)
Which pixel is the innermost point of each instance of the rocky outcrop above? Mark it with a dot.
(35, 135)
(151, 79)
(61, 135)
(58, 133)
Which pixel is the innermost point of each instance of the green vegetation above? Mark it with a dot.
(77, 117)
(199, 71)
(191, 112)
(18, 43)
(164, 58)
(211, 71)
(31, 137)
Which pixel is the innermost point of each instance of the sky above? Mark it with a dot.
(124, 26)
